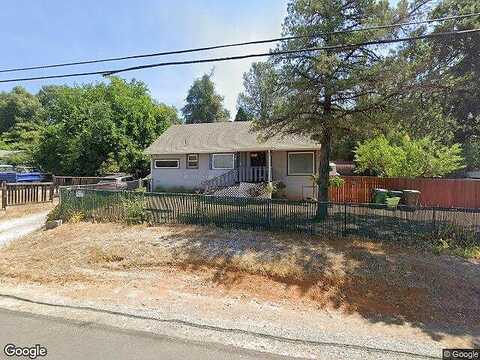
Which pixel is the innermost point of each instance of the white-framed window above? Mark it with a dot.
(167, 164)
(192, 161)
(301, 163)
(223, 161)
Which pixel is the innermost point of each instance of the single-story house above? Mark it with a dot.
(218, 155)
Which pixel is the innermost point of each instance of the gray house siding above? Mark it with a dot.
(183, 177)
(297, 187)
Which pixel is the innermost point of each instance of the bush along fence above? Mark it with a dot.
(26, 193)
(403, 224)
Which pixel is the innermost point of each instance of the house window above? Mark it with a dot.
(192, 161)
(167, 164)
(223, 161)
(301, 163)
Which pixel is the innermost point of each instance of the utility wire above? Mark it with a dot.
(287, 52)
(265, 41)
(239, 57)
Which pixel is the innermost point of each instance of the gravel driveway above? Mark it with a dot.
(15, 228)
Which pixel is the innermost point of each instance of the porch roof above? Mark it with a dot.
(222, 137)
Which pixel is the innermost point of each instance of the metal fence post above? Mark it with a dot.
(4, 195)
(434, 220)
(269, 220)
(344, 233)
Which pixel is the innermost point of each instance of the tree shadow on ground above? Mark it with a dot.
(381, 282)
(405, 225)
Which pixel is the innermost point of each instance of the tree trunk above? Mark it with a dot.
(324, 163)
(324, 174)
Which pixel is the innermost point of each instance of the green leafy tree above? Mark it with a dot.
(22, 118)
(242, 115)
(401, 156)
(203, 103)
(19, 106)
(99, 128)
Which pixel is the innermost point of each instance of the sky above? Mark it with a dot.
(50, 31)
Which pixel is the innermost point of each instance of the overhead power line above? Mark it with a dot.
(256, 42)
(287, 52)
(239, 57)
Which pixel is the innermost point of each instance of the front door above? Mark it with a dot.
(258, 166)
(258, 158)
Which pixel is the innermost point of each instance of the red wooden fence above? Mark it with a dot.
(463, 193)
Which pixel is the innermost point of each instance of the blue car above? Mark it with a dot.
(17, 174)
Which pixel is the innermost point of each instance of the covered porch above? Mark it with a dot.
(247, 167)
(293, 168)
(254, 166)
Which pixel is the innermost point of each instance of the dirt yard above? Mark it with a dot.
(440, 295)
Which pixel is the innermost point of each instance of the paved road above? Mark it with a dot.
(74, 340)
(16, 228)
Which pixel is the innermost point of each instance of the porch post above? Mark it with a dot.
(269, 165)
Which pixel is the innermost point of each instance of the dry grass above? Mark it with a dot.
(352, 274)
(71, 251)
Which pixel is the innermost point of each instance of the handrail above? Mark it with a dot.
(227, 179)
(241, 174)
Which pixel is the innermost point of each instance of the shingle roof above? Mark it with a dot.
(222, 137)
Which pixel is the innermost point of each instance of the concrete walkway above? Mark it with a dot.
(13, 229)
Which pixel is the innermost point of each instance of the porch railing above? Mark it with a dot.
(253, 174)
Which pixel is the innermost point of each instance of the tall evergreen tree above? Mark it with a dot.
(326, 94)
(242, 115)
(457, 61)
(260, 90)
(203, 103)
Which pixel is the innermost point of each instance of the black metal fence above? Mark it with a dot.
(372, 221)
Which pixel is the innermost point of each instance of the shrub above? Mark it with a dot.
(399, 155)
(66, 214)
(456, 240)
(134, 211)
(55, 214)
(335, 181)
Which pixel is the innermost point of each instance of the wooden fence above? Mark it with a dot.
(75, 180)
(26, 193)
(460, 193)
